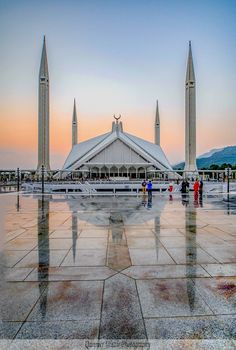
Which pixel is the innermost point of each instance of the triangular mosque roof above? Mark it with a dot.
(83, 151)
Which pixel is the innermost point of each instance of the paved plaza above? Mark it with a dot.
(160, 272)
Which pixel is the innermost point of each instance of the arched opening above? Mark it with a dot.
(94, 173)
(114, 171)
(123, 171)
(132, 172)
(141, 173)
(104, 172)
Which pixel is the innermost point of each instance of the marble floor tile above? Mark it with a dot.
(85, 257)
(173, 232)
(130, 232)
(16, 274)
(21, 244)
(56, 243)
(69, 300)
(75, 273)
(178, 242)
(150, 256)
(165, 271)
(191, 256)
(13, 234)
(223, 254)
(43, 257)
(208, 327)
(91, 243)
(172, 297)
(62, 234)
(220, 270)
(17, 299)
(81, 329)
(118, 257)
(144, 243)
(121, 313)
(96, 233)
(12, 257)
(8, 330)
(219, 293)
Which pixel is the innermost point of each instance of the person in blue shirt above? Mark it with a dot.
(149, 188)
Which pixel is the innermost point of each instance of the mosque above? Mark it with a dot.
(116, 153)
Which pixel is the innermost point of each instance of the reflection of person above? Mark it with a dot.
(171, 187)
(185, 199)
(149, 205)
(144, 184)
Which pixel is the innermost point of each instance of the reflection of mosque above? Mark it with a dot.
(118, 257)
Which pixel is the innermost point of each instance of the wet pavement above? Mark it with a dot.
(111, 272)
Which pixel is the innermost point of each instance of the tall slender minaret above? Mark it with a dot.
(74, 126)
(43, 112)
(190, 116)
(157, 126)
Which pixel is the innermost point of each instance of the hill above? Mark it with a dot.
(215, 156)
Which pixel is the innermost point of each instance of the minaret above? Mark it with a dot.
(43, 112)
(74, 126)
(157, 126)
(190, 116)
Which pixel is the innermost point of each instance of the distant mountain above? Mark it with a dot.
(216, 156)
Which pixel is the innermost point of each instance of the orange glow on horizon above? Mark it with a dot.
(19, 131)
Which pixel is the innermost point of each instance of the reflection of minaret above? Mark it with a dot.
(74, 232)
(190, 116)
(191, 252)
(118, 257)
(74, 126)
(43, 112)
(157, 234)
(43, 250)
(157, 126)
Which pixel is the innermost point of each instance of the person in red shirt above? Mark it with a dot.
(196, 188)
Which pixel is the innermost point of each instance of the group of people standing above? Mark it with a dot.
(197, 187)
(147, 186)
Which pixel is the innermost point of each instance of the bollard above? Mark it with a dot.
(42, 170)
(18, 179)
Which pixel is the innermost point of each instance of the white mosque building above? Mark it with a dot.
(116, 153)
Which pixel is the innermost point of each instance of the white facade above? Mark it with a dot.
(43, 112)
(116, 154)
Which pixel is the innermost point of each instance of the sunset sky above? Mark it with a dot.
(116, 56)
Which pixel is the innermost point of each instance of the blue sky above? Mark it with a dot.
(117, 57)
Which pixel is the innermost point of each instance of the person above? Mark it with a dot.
(144, 184)
(184, 186)
(149, 188)
(171, 187)
(200, 188)
(195, 189)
